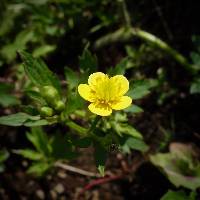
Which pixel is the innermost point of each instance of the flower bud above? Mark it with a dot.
(50, 94)
(59, 106)
(46, 111)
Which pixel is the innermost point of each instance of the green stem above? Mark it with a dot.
(125, 13)
(94, 123)
(125, 34)
(81, 130)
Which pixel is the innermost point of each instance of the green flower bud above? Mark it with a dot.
(46, 111)
(50, 94)
(59, 106)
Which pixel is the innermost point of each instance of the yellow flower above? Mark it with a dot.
(105, 93)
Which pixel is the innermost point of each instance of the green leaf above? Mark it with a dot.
(176, 195)
(43, 50)
(29, 109)
(17, 119)
(40, 140)
(134, 109)
(135, 144)
(71, 77)
(87, 62)
(123, 128)
(139, 89)
(9, 51)
(138, 92)
(39, 168)
(100, 155)
(8, 100)
(195, 86)
(38, 72)
(29, 154)
(120, 68)
(74, 102)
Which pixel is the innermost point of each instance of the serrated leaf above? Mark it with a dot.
(87, 62)
(120, 68)
(71, 77)
(74, 102)
(139, 89)
(17, 119)
(38, 72)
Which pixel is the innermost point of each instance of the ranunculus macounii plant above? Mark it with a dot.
(50, 105)
(105, 93)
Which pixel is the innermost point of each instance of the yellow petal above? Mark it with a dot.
(123, 102)
(85, 92)
(102, 111)
(120, 85)
(96, 78)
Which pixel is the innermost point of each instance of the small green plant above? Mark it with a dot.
(50, 103)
